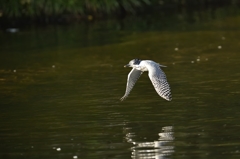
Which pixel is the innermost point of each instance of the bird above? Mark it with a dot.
(155, 73)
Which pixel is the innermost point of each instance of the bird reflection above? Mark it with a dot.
(159, 149)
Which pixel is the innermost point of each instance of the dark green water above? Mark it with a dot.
(60, 88)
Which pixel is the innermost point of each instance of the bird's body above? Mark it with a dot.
(156, 75)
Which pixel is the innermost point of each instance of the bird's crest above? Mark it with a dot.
(135, 61)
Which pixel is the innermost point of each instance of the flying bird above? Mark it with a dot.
(155, 73)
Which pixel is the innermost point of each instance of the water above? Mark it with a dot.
(60, 91)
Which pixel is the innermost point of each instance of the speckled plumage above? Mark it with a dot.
(155, 73)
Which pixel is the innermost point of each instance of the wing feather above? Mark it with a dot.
(159, 81)
(133, 76)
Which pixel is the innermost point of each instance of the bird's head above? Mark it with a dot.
(133, 63)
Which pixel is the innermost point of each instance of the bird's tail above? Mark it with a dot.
(161, 65)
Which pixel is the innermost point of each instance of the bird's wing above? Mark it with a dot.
(159, 81)
(133, 76)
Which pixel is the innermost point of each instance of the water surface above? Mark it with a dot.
(61, 85)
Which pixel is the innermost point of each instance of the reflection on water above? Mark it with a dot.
(159, 149)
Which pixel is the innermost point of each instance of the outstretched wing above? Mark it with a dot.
(159, 81)
(133, 76)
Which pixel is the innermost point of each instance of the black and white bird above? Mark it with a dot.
(155, 73)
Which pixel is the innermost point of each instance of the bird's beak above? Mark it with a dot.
(127, 65)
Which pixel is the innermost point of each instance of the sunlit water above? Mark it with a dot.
(60, 91)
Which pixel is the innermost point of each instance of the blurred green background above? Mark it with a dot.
(65, 11)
